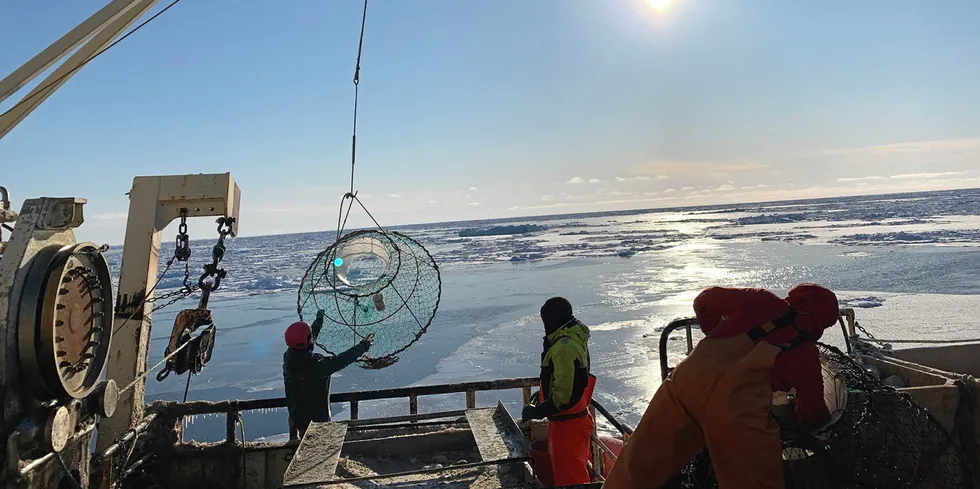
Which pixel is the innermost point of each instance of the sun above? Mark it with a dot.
(660, 5)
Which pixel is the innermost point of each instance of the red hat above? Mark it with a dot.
(816, 308)
(298, 336)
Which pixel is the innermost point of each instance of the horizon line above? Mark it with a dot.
(649, 210)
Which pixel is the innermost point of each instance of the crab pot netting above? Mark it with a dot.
(371, 282)
(877, 438)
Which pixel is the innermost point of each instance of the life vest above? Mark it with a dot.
(577, 410)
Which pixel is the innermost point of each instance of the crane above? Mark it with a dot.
(94, 35)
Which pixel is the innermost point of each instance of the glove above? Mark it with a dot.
(530, 412)
(368, 341)
(319, 315)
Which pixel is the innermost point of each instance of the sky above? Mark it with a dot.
(493, 108)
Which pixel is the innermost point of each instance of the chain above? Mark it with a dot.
(878, 343)
(182, 248)
(211, 278)
(173, 296)
(182, 253)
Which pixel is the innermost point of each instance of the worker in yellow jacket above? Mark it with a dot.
(566, 392)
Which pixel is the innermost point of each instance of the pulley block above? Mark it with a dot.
(65, 321)
(198, 352)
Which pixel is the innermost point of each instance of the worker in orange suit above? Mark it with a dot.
(721, 394)
(566, 393)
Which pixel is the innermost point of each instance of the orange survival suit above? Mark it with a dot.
(566, 393)
(721, 394)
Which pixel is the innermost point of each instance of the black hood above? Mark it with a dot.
(555, 312)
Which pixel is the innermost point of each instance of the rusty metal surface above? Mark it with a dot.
(497, 435)
(316, 458)
(73, 328)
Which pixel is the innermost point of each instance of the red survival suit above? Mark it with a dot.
(721, 394)
(570, 438)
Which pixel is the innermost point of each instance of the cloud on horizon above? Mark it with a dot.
(903, 167)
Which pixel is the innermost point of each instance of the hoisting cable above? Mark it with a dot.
(341, 261)
(353, 140)
(87, 61)
(342, 215)
(357, 79)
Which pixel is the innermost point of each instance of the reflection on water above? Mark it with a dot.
(488, 325)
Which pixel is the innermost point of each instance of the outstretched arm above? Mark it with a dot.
(317, 324)
(330, 365)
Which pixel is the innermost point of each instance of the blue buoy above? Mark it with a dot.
(338, 262)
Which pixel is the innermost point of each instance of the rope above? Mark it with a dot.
(936, 342)
(67, 472)
(151, 369)
(146, 297)
(187, 386)
(96, 55)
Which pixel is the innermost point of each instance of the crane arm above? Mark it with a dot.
(100, 29)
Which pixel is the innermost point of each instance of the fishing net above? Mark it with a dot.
(371, 282)
(877, 438)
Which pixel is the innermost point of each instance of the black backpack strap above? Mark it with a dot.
(788, 319)
(760, 332)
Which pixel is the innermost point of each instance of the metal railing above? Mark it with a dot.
(846, 320)
(233, 409)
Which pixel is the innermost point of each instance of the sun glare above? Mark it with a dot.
(660, 5)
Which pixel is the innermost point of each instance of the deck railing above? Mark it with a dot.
(234, 408)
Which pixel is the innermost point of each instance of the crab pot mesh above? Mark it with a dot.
(371, 282)
(878, 438)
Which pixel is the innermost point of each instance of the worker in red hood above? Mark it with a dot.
(721, 394)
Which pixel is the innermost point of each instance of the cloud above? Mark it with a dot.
(724, 188)
(925, 176)
(687, 189)
(859, 179)
(933, 146)
(752, 187)
(666, 169)
(109, 216)
(395, 196)
(594, 180)
(547, 197)
(437, 202)
(474, 189)
(575, 180)
(670, 190)
(626, 179)
(474, 204)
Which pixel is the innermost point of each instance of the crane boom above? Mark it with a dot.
(100, 30)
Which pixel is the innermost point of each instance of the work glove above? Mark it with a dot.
(531, 412)
(368, 341)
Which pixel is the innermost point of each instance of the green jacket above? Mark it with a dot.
(565, 367)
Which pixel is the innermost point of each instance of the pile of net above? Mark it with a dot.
(371, 282)
(878, 439)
